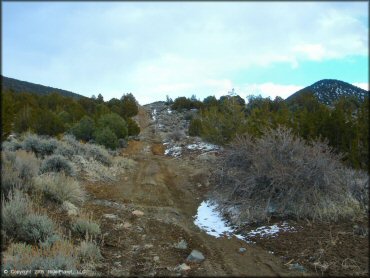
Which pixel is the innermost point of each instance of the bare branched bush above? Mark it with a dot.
(282, 175)
(59, 188)
(176, 135)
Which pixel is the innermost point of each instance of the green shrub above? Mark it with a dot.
(115, 123)
(133, 127)
(36, 228)
(57, 163)
(195, 127)
(14, 213)
(89, 252)
(60, 188)
(106, 137)
(85, 227)
(129, 106)
(183, 103)
(84, 129)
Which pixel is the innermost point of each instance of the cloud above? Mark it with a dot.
(178, 48)
(364, 86)
(271, 90)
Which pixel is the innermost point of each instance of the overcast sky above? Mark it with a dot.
(154, 49)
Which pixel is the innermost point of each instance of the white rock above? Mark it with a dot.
(110, 216)
(195, 256)
(183, 267)
(138, 213)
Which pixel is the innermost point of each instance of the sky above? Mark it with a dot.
(154, 49)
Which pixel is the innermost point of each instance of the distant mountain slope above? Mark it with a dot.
(24, 86)
(327, 91)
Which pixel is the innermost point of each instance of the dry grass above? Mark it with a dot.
(62, 255)
(59, 188)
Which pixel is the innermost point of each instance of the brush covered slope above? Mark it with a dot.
(328, 91)
(19, 86)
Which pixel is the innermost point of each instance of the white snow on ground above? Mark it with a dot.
(210, 220)
(270, 231)
(154, 113)
(202, 146)
(174, 151)
(169, 111)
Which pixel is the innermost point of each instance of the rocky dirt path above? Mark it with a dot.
(147, 212)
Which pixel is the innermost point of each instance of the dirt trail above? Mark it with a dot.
(163, 189)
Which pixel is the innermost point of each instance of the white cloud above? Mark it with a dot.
(178, 48)
(271, 90)
(364, 86)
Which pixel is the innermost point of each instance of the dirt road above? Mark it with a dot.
(165, 190)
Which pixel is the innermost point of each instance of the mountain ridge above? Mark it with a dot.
(20, 86)
(327, 91)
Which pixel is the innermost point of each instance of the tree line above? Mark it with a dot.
(345, 124)
(87, 118)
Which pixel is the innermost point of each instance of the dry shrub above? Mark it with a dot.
(17, 170)
(14, 213)
(84, 226)
(41, 146)
(95, 171)
(27, 164)
(59, 188)
(284, 176)
(89, 252)
(20, 222)
(10, 179)
(60, 256)
(176, 135)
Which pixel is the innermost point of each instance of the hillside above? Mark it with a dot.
(327, 91)
(24, 86)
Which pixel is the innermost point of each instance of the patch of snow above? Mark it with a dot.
(270, 231)
(202, 146)
(210, 220)
(153, 114)
(174, 151)
(169, 111)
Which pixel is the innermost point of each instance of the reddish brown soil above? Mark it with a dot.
(325, 249)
